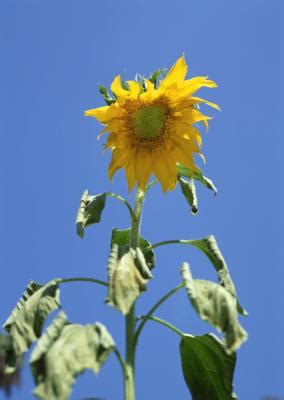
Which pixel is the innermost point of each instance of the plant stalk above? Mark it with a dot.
(130, 319)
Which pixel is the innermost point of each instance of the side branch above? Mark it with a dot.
(98, 281)
(165, 323)
(175, 241)
(153, 309)
(122, 199)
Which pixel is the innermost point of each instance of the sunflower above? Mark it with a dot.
(152, 129)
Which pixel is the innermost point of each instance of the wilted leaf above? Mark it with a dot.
(217, 306)
(208, 370)
(210, 248)
(65, 351)
(122, 238)
(197, 175)
(7, 380)
(25, 323)
(128, 275)
(189, 192)
(90, 210)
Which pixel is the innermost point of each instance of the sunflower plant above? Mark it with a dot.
(153, 132)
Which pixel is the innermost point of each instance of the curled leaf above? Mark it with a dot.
(90, 210)
(7, 380)
(197, 175)
(210, 248)
(217, 306)
(25, 322)
(64, 352)
(189, 192)
(128, 275)
(122, 238)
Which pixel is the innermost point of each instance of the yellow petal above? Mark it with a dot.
(190, 86)
(134, 89)
(143, 168)
(130, 170)
(117, 140)
(196, 100)
(149, 85)
(176, 74)
(117, 89)
(119, 159)
(192, 115)
(103, 114)
(186, 132)
(163, 168)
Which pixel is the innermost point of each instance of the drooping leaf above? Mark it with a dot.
(208, 370)
(122, 238)
(217, 306)
(197, 175)
(90, 210)
(7, 380)
(128, 274)
(25, 323)
(210, 248)
(189, 192)
(64, 352)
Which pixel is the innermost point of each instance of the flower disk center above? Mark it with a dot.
(149, 122)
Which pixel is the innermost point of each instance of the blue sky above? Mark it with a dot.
(53, 56)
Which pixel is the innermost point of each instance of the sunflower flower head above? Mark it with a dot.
(152, 125)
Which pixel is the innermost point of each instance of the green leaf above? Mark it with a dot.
(154, 77)
(128, 275)
(189, 192)
(25, 323)
(65, 351)
(217, 306)
(90, 210)
(210, 248)
(122, 238)
(124, 85)
(197, 175)
(108, 99)
(208, 370)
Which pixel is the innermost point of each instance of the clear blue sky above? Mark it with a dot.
(53, 56)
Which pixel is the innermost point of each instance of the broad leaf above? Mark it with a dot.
(217, 306)
(210, 248)
(90, 210)
(25, 323)
(122, 238)
(208, 370)
(197, 175)
(65, 351)
(189, 192)
(128, 275)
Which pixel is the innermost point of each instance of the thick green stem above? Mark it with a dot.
(129, 373)
(130, 319)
